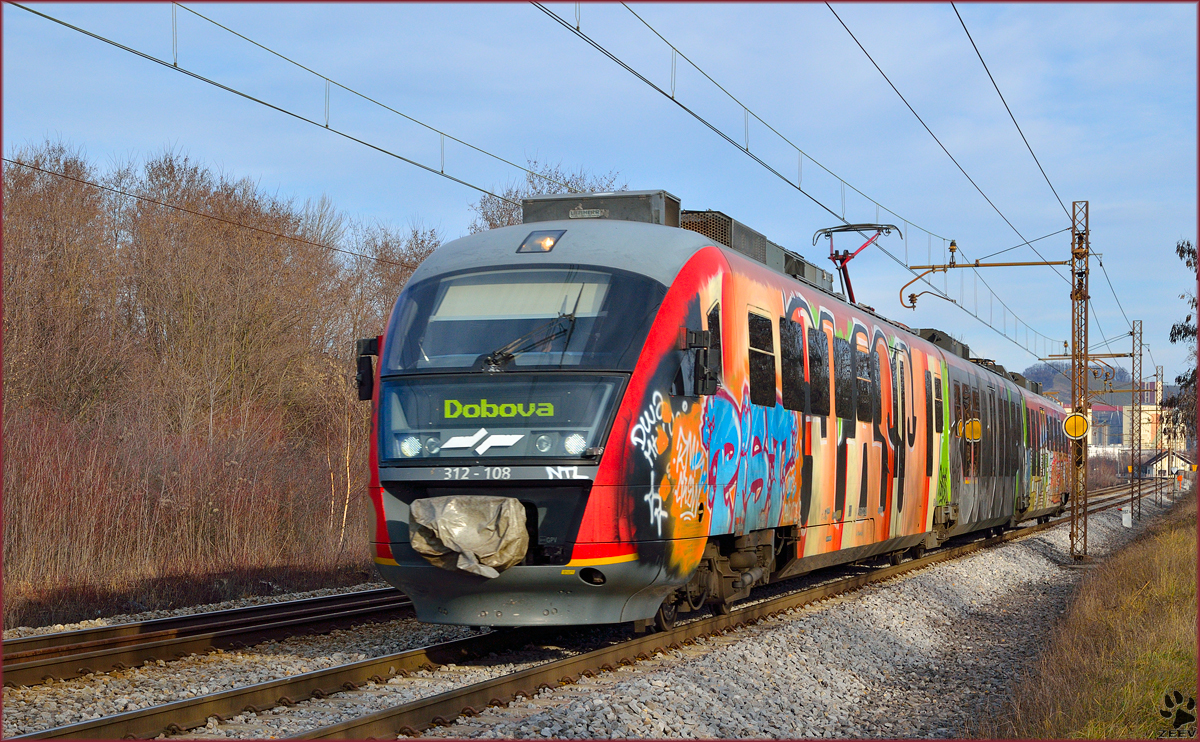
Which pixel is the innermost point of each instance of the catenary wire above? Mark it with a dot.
(369, 99)
(202, 214)
(261, 102)
(1035, 157)
(1014, 247)
(1010, 113)
(773, 130)
(794, 146)
(598, 47)
(939, 142)
(450, 177)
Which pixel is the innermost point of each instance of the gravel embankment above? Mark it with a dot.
(919, 656)
(18, 632)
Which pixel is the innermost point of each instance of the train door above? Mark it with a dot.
(866, 460)
(820, 402)
(904, 435)
(957, 442)
(756, 435)
(883, 421)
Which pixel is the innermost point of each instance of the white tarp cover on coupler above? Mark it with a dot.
(487, 534)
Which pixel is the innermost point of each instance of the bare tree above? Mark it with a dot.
(1183, 404)
(544, 178)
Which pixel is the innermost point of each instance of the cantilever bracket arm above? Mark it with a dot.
(912, 298)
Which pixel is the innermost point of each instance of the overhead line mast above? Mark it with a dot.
(1135, 421)
(1080, 249)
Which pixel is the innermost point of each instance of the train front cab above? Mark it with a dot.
(506, 381)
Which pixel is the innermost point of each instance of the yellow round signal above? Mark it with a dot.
(973, 430)
(1075, 426)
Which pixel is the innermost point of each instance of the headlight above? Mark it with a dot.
(410, 446)
(543, 443)
(575, 444)
(433, 445)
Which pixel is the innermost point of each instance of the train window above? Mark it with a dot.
(762, 361)
(928, 424)
(843, 378)
(954, 424)
(527, 318)
(863, 383)
(1035, 442)
(1018, 436)
(714, 345)
(1009, 437)
(976, 449)
(876, 389)
(818, 371)
(791, 365)
(995, 442)
(938, 406)
(1003, 420)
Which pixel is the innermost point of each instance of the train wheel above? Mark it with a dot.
(721, 609)
(664, 620)
(919, 551)
(896, 557)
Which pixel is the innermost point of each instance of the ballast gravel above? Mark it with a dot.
(919, 656)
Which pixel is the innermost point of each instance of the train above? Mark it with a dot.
(623, 411)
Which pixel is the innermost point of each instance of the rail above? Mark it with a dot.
(71, 654)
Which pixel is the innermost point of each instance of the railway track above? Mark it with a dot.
(469, 699)
(72, 654)
(444, 708)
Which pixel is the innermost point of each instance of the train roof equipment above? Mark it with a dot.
(663, 208)
(844, 257)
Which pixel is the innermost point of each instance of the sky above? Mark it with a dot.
(1105, 95)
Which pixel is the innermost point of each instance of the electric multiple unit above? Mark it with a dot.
(619, 410)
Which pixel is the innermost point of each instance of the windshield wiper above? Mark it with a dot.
(502, 356)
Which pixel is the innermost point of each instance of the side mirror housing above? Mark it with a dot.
(705, 379)
(365, 378)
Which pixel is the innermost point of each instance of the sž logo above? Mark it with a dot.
(483, 408)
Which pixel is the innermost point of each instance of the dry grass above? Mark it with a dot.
(1128, 638)
(98, 521)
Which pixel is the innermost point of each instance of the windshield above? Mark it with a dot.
(494, 416)
(545, 317)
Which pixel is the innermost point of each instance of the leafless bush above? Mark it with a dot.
(1105, 471)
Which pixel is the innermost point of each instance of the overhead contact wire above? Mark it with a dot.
(369, 99)
(1035, 159)
(598, 47)
(939, 142)
(261, 102)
